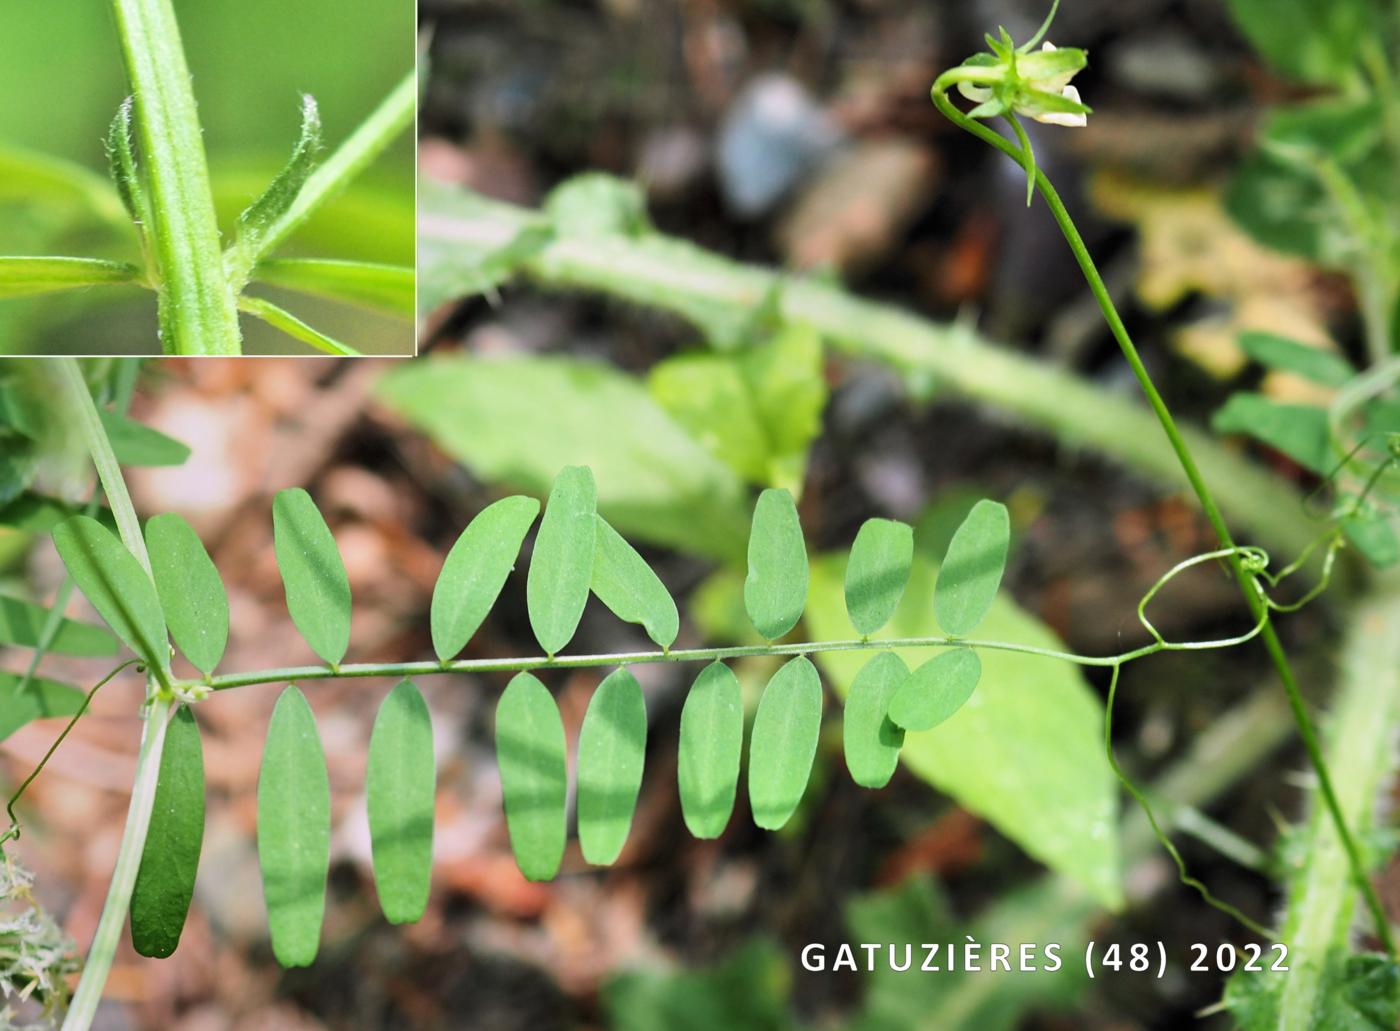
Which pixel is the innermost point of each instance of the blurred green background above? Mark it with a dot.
(61, 79)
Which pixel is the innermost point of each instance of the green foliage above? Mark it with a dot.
(746, 992)
(534, 775)
(400, 785)
(611, 752)
(475, 571)
(1361, 992)
(877, 572)
(784, 742)
(22, 622)
(624, 582)
(1025, 752)
(561, 568)
(294, 830)
(936, 690)
(165, 882)
(386, 288)
(711, 743)
(41, 699)
(1308, 40)
(190, 591)
(117, 586)
(656, 483)
(872, 740)
(259, 218)
(775, 589)
(972, 568)
(1312, 363)
(1299, 431)
(318, 590)
(294, 327)
(757, 409)
(22, 277)
(136, 444)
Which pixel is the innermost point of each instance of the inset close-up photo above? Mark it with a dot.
(207, 178)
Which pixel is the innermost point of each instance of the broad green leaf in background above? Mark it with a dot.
(41, 699)
(611, 752)
(165, 881)
(1312, 363)
(190, 591)
(630, 589)
(116, 585)
(757, 409)
(936, 690)
(20, 277)
(288, 323)
(748, 991)
(137, 444)
(784, 742)
(22, 622)
(775, 589)
(35, 513)
(1312, 40)
(1371, 533)
(561, 566)
(318, 590)
(386, 288)
(1299, 431)
(1025, 752)
(1360, 992)
(534, 775)
(711, 744)
(872, 740)
(475, 570)
(594, 205)
(518, 421)
(400, 787)
(877, 571)
(971, 570)
(294, 830)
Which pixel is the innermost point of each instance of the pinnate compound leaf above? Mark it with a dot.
(630, 589)
(877, 572)
(164, 887)
(116, 585)
(534, 775)
(1312, 363)
(1025, 752)
(22, 624)
(784, 742)
(400, 787)
(190, 591)
(136, 444)
(775, 589)
(971, 572)
(294, 830)
(711, 744)
(561, 567)
(611, 753)
(387, 288)
(1299, 431)
(318, 590)
(288, 323)
(40, 700)
(872, 740)
(656, 483)
(25, 277)
(936, 690)
(475, 570)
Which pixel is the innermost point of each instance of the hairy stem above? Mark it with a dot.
(197, 312)
(663, 272)
(1257, 606)
(155, 716)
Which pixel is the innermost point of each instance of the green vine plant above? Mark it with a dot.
(199, 283)
(168, 590)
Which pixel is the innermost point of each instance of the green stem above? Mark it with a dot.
(197, 312)
(138, 820)
(1258, 607)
